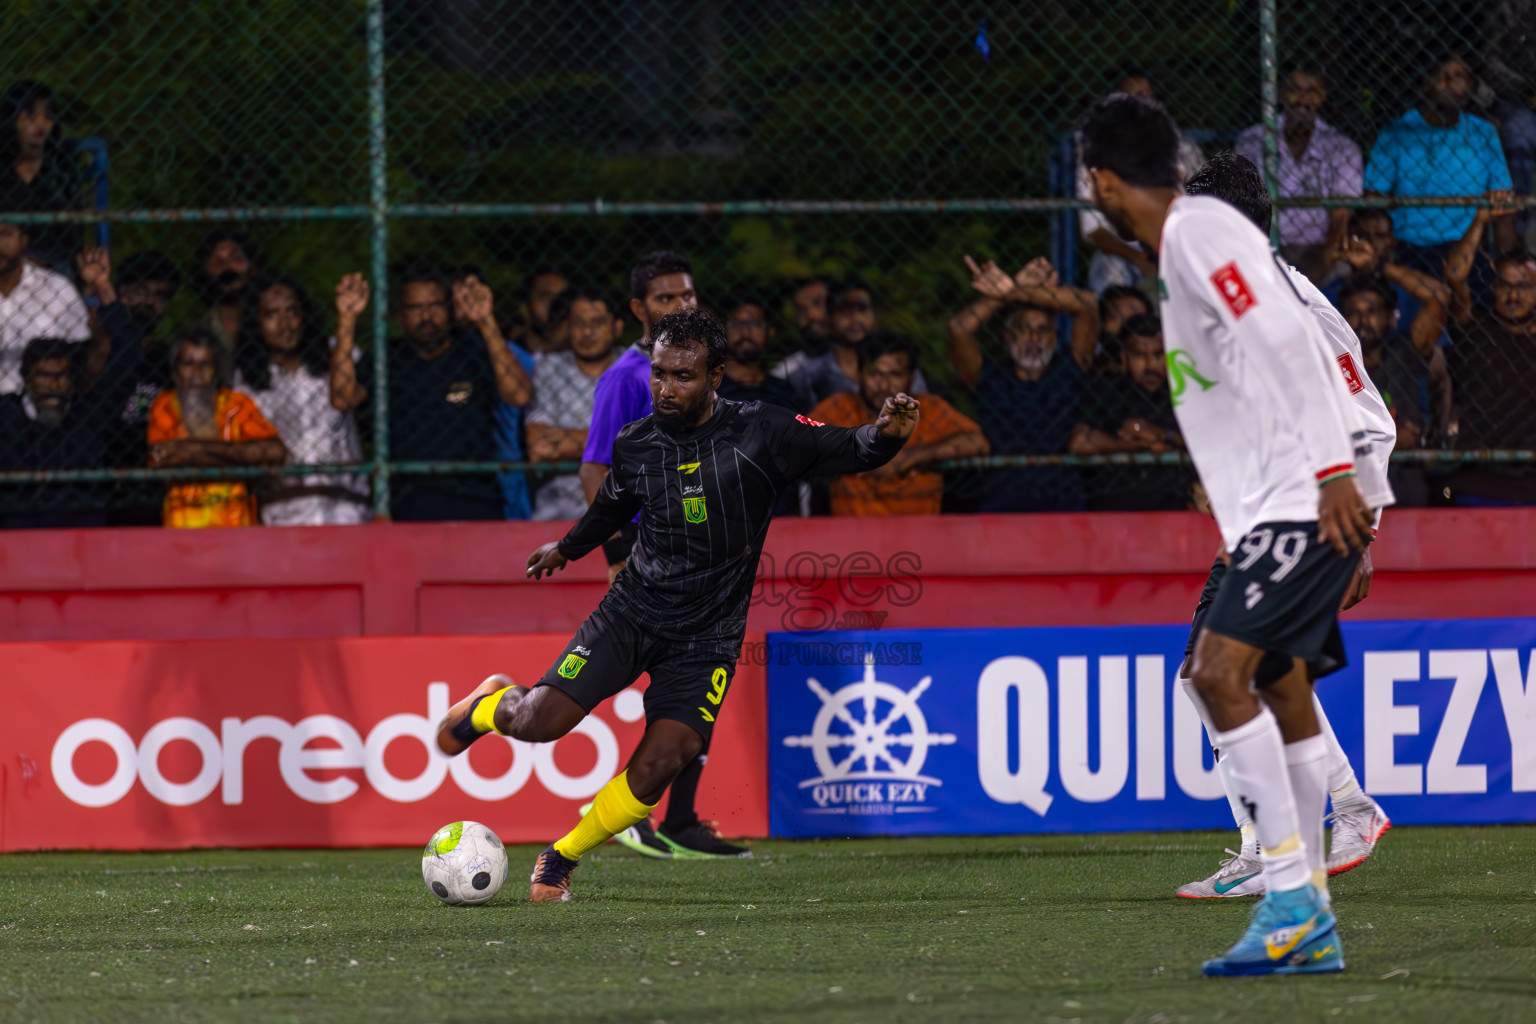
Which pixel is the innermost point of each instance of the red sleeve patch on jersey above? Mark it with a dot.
(1351, 374)
(811, 422)
(1234, 290)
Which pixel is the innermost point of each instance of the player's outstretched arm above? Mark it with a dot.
(801, 446)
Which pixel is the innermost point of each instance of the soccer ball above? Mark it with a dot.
(464, 864)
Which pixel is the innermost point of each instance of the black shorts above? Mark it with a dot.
(1281, 594)
(1207, 596)
(609, 652)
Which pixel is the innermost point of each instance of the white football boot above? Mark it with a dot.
(1354, 835)
(1241, 874)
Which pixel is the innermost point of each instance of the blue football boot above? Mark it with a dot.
(1290, 933)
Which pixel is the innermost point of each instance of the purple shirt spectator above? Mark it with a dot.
(1331, 165)
(623, 396)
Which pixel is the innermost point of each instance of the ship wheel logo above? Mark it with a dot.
(870, 730)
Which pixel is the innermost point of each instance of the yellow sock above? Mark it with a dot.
(483, 718)
(615, 809)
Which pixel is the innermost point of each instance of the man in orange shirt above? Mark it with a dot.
(201, 424)
(902, 487)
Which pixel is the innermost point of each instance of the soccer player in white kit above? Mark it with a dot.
(1272, 433)
(1358, 821)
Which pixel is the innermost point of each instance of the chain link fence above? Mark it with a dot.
(286, 262)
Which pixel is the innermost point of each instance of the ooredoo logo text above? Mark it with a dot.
(222, 755)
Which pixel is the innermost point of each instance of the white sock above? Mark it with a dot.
(1306, 763)
(1239, 812)
(1342, 785)
(1250, 844)
(1250, 847)
(1257, 758)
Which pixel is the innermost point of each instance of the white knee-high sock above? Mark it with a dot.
(1240, 815)
(1306, 763)
(1250, 846)
(1257, 758)
(1342, 784)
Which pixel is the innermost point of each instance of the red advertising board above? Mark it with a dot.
(310, 742)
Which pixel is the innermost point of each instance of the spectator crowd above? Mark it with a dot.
(1039, 371)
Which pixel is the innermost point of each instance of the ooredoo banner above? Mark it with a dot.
(1085, 729)
(313, 743)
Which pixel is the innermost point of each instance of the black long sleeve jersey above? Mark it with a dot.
(706, 496)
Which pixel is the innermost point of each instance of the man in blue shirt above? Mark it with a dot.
(1437, 150)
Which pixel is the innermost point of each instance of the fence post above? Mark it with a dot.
(379, 249)
(1269, 74)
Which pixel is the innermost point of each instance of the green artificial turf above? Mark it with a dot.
(1440, 925)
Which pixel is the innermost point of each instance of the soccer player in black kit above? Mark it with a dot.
(704, 472)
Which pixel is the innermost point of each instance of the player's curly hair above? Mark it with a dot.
(693, 327)
(1234, 179)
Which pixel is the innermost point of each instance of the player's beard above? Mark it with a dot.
(677, 417)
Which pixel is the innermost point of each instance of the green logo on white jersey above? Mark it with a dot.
(1181, 365)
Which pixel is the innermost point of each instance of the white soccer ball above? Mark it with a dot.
(464, 864)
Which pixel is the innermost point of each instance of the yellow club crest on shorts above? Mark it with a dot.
(694, 511)
(571, 665)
